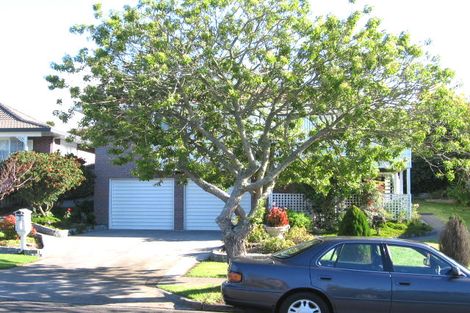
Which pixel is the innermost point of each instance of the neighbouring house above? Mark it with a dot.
(397, 197)
(20, 132)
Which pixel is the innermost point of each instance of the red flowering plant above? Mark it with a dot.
(68, 213)
(277, 217)
(7, 227)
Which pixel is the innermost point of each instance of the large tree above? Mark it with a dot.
(232, 93)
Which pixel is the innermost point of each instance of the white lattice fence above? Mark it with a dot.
(398, 205)
(353, 200)
(293, 201)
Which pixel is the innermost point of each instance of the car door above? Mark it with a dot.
(352, 276)
(422, 282)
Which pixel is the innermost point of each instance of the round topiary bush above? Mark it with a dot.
(455, 240)
(354, 223)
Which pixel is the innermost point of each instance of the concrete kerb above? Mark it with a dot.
(180, 269)
(202, 306)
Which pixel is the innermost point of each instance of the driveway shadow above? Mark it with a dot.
(81, 286)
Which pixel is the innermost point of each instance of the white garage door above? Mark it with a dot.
(202, 208)
(138, 204)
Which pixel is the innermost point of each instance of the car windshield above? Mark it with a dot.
(292, 251)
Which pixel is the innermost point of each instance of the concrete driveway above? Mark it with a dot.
(107, 267)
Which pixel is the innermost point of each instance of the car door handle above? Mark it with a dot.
(325, 278)
(404, 283)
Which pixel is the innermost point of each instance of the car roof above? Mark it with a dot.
(372, 240)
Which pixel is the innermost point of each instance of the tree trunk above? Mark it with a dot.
(234, 236)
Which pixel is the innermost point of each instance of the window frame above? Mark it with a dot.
(340, 246)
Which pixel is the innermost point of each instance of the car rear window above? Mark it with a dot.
(295, 250)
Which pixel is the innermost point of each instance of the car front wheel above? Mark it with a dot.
(304, 302)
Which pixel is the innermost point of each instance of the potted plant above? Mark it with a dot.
(277, 222)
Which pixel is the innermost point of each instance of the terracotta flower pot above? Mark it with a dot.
(277, 231)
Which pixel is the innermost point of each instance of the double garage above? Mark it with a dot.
(163, 205)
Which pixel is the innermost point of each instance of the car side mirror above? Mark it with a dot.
(456, 272)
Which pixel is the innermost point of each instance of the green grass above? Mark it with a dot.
(209, 269)
(209, 293)
(12, 260)
(445, 210)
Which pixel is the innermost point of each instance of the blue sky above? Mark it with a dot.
(34, 33)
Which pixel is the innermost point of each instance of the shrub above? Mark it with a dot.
(416, 228)
(260, 212)
(354, 223)
(13, 176)
(257, 234)
(52, 175)
(299, 219)
(47, 220)
(7, 227)
(2, 235)
(84, 213)
(275, 244)
(86, 188)
(277, 217)
(298, 235)
(460, 192)
(455, 240)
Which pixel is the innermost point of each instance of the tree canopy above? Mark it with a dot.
(234, 93)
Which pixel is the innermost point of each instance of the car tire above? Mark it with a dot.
(304, 302)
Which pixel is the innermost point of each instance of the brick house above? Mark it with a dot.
(124, 202)
(20, 132)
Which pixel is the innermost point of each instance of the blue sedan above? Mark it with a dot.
(350, 275)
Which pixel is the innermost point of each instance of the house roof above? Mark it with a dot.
(13, 120)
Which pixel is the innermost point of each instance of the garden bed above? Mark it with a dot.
(51, 231)
(34, 244)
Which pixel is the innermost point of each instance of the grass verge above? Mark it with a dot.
(445, 210)
(209, 269)
(209, 293)
(12, 260)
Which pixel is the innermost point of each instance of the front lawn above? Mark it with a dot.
(445, 210)
(12, 260)
(208, 293)
(209, 269)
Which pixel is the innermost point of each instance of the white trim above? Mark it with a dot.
(21, 134)
(408, 181)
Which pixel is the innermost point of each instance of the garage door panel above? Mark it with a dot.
(138, 204)
(202, 208)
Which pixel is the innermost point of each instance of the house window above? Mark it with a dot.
(16, 145)
(12, 145)
(4, 149)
